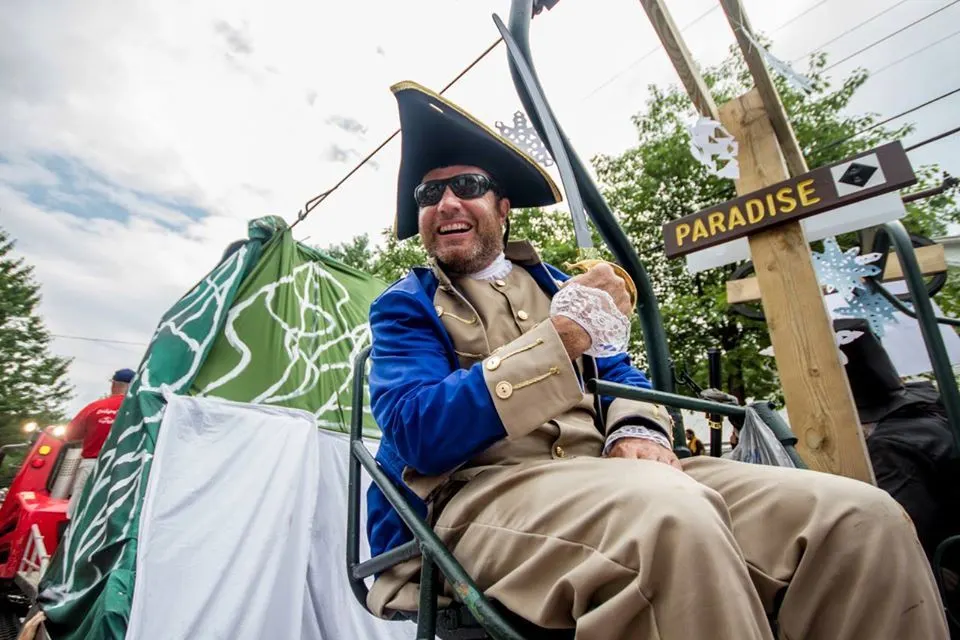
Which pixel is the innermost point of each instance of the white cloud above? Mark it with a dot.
(242, 109)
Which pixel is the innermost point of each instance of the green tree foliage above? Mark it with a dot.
(33, 384)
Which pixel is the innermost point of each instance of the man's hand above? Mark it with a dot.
(603, 277)
(643, 449)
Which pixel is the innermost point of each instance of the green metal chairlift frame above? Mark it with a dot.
(472, 614)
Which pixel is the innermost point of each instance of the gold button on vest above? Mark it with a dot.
(504, 389)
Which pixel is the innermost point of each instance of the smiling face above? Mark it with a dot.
(464, 235)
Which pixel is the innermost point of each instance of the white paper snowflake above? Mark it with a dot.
(798, 80)
(525, 137)
(843, 271)
(714, 148)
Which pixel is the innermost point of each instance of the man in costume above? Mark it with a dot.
(572, 510)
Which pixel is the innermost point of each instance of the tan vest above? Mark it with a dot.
(482, 316)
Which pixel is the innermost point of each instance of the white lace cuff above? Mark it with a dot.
(595, 311)
(636, 431)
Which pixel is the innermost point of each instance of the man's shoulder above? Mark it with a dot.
(110, 402)
(415, 281)
(92, 407)
(418, 284)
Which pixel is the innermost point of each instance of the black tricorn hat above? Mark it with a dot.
(437, 133)
(875, 383)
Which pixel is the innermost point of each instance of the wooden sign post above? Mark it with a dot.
(819, 402)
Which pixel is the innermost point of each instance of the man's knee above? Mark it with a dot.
(673, 504)
(862, 512)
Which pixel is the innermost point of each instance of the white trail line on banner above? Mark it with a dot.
(305, 279)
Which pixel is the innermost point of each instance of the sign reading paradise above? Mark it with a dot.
(880, 170)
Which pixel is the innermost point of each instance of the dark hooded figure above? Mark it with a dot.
(908, 437)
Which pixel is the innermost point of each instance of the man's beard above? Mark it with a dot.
(488, 247)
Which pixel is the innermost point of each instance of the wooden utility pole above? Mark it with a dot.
(819, 401)
(680, 56)
(796, 163)
(820, 405)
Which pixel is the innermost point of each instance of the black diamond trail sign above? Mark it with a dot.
(857, 174)
(863, 173)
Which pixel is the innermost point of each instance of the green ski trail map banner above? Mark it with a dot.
(274, 323)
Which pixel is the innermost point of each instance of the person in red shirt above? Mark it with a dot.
(92, 426)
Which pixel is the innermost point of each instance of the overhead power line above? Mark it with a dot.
(312, 203)
(801, 14)
(848, 31)
(876, 72)
(939, 136)
(649, 53)
(103, 340)
(892, 118)
(683, 29)
(888, 36)
(318, 199)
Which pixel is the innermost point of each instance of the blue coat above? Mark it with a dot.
(419, 395)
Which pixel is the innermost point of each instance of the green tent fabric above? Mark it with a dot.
(291, 337)
(275, 322)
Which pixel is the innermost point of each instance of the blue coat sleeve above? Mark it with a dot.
(619, 369)
(437, 416)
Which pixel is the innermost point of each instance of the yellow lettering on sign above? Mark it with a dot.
(683, 230)
(754, 210)
(771, 207)
(716, 223)
(699, 230)
(807, 195)
(786, 199)
(736, 218)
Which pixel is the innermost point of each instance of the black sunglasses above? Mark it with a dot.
(465, 186)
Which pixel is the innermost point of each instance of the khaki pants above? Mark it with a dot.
(633, 549)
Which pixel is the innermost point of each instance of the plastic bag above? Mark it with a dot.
(758, 445)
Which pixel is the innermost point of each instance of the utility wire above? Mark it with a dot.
(891, 118)
(682, 30)
(927, 141)
(318, 199)
(649, 53)
(103, 340)
(312, 203)
(888, 36)
(910, 55)
(803, 13)
(847, 32)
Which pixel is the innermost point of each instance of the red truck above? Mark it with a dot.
(33, 516)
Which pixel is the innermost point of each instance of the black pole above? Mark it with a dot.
(654, 335)
(715, 420)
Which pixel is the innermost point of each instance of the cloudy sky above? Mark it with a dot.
(137, 138)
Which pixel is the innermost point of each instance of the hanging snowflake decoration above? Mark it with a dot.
(873, 308)
(783, 69)
(714, 148)
(525, 137)
(843, 272)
